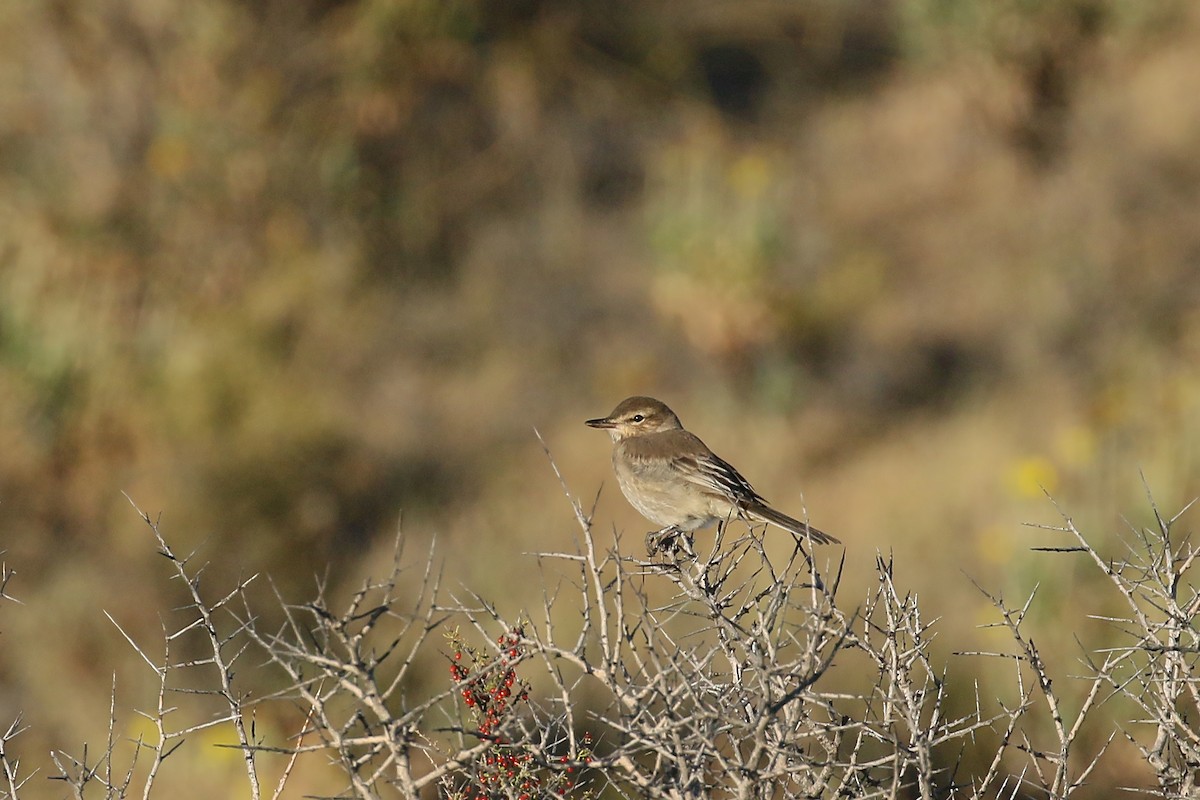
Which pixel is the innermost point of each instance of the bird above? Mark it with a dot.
(674, 480)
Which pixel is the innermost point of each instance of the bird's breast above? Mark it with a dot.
(653, 485)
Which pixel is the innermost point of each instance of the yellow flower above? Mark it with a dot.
(1030, 477)
(219, 744)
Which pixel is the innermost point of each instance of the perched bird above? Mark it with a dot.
(674, 480)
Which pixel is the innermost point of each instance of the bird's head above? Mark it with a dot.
(636, 416)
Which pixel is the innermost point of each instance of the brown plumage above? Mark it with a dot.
(674, 480)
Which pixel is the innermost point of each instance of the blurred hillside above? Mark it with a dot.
(288, 270)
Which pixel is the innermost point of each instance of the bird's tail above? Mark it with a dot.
(764, 513)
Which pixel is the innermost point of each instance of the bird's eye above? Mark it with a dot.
(637, 418)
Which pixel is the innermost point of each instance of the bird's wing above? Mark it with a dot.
(702, 466)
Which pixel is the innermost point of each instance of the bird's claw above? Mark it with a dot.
(669, 540)
(656, 539)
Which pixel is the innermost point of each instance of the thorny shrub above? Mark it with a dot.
(719, 671)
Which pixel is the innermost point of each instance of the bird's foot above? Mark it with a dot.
(669, 540)
(659, 538)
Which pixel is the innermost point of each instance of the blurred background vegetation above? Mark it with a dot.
(287, 270)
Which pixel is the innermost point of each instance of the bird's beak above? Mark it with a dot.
(603, 422)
